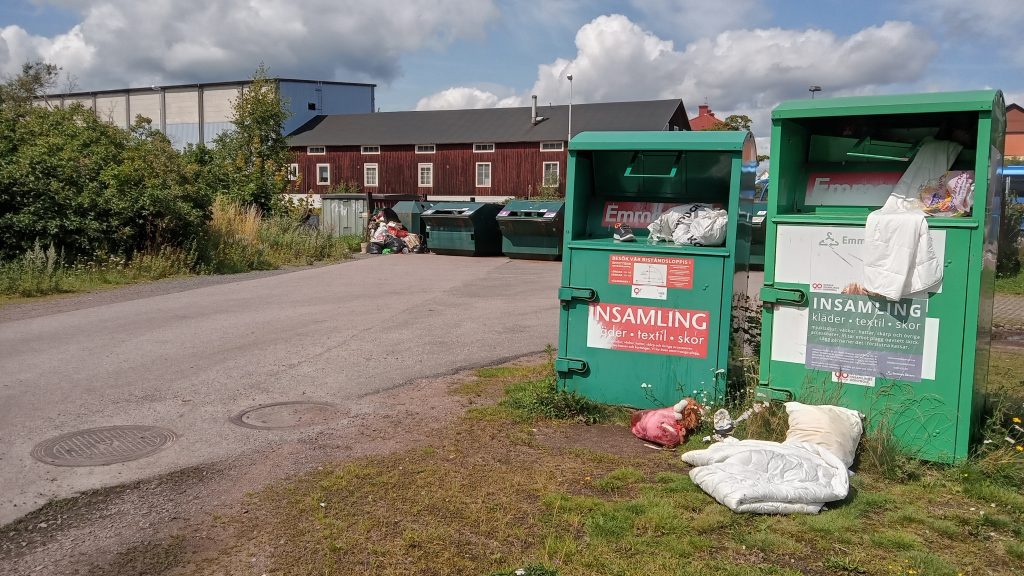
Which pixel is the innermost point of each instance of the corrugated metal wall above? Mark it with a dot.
(343, 216)
(182, 108)
(517, 169)
(347, 214)
(113, 109)
(176, 110)
(217, 110)
(145, 104)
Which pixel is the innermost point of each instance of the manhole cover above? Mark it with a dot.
(102, 446)
(286, 415)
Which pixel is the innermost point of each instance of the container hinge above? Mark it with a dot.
(791, 296)
(570, 365)
(766, 393)
(567, 293)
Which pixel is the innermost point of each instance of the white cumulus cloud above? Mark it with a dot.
(737, 71)
(130, 43)
(461, 98)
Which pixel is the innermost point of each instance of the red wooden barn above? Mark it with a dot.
(493, 152)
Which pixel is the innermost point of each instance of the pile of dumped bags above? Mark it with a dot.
(389, 236)
(691, 224)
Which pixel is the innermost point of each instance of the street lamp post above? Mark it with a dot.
(813, 89)
(569, 77)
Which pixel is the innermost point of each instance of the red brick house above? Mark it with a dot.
(494, 152)
(705, 118)
(1014, 131)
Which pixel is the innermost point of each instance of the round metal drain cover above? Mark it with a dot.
(286, 415)
(102, 446)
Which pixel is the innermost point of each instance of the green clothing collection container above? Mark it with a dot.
(409, 212)
(463, 228)
(644, 324)
(916, 368)
(532, 229)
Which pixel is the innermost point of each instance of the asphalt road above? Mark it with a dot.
(189, 360)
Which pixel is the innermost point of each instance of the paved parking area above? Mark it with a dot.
(187, 360)
(1008, 310)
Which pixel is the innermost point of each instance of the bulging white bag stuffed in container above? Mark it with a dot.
(706, 228)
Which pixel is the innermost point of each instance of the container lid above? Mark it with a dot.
(976, 100)
(714, 141)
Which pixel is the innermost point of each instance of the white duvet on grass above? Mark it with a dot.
(769, 477)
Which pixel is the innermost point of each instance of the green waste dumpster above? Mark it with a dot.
(409, 212)
(916, 367)
(532, 229)
(645, 323)
(463, 228)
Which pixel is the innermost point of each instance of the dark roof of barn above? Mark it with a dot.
(484, 124)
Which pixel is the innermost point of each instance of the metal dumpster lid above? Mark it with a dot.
(968, 101)
(454, 208)
(519, 205)
(706, 141)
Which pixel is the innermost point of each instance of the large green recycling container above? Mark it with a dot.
(644, 324)
(409, 212)
(916, 367)
(532, 229)
(463, 228)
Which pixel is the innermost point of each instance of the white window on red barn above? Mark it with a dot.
(370, 175)
(370, 149)
(316, 150)
(323, 174)
(425, 148)
(483, 147)
(426, 175)
(551, 177)
(552, 146)
(293, 171)
(483, 174)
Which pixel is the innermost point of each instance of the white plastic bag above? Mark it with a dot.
(380, 234)
(666, 226)
(706, 228)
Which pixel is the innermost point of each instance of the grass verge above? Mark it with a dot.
(237, 239)
(1010, 284)
(508, 488)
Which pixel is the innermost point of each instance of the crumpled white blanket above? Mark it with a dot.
(899, 258)
(764, 477)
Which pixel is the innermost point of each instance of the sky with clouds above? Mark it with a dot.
(739, 56)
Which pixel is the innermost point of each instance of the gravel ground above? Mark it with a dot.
(132, 529)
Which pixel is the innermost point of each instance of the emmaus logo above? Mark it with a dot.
(649, 329)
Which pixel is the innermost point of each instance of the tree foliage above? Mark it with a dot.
(249, 163)
(87, 187)
(733, 122)
(19, 92)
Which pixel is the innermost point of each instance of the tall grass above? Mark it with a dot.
(240, 238)
(237, 239)
(40, 272)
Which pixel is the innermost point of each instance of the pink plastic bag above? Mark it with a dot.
(667, 426)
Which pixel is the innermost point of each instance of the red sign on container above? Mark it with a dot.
(636, 214)
(648, 329)
(850, 188)
(650, 271)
